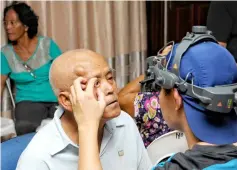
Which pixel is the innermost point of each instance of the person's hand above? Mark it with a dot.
(88, 104)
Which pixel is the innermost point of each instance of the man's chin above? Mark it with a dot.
(111, 114)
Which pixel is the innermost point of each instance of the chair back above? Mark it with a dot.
(166, 145)
(12, 149)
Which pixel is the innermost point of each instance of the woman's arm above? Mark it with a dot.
(89, 158)
(5, 71)
(128, 93)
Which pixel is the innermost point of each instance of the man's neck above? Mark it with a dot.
(70, 128)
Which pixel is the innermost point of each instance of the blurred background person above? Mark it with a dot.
(222, 21)
(144, 107)
(26, 60)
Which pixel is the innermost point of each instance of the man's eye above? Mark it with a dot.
(97, 83)
(110, 78)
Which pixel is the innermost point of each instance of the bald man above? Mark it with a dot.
(85, 74)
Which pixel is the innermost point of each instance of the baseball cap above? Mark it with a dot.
(210, 65)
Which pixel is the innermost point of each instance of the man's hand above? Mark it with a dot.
(88, 104)
(88, 107)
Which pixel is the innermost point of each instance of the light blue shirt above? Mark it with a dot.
(121, 148)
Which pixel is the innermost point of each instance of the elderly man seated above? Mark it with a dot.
(56, 145)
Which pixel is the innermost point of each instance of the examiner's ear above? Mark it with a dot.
(178, 99)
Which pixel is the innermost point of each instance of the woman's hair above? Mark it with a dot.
(26, 15)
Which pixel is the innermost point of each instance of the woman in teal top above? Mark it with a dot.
(26, 59)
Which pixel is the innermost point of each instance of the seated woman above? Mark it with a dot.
(26, 60)
(144, 107)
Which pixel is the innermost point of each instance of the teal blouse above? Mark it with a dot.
(31, 77)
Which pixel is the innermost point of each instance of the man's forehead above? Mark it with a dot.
(98, 72)
(89, 70)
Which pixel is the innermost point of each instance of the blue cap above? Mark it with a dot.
(210, 65)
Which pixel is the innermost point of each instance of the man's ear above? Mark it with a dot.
(178, 99)
(63, 100)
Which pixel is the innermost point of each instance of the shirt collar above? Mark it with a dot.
(63, 140)
(114, 123)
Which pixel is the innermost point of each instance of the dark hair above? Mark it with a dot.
(26, 15)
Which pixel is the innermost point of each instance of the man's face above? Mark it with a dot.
(106, 83)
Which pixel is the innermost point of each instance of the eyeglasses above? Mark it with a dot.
(29, 70)
(12, 23)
